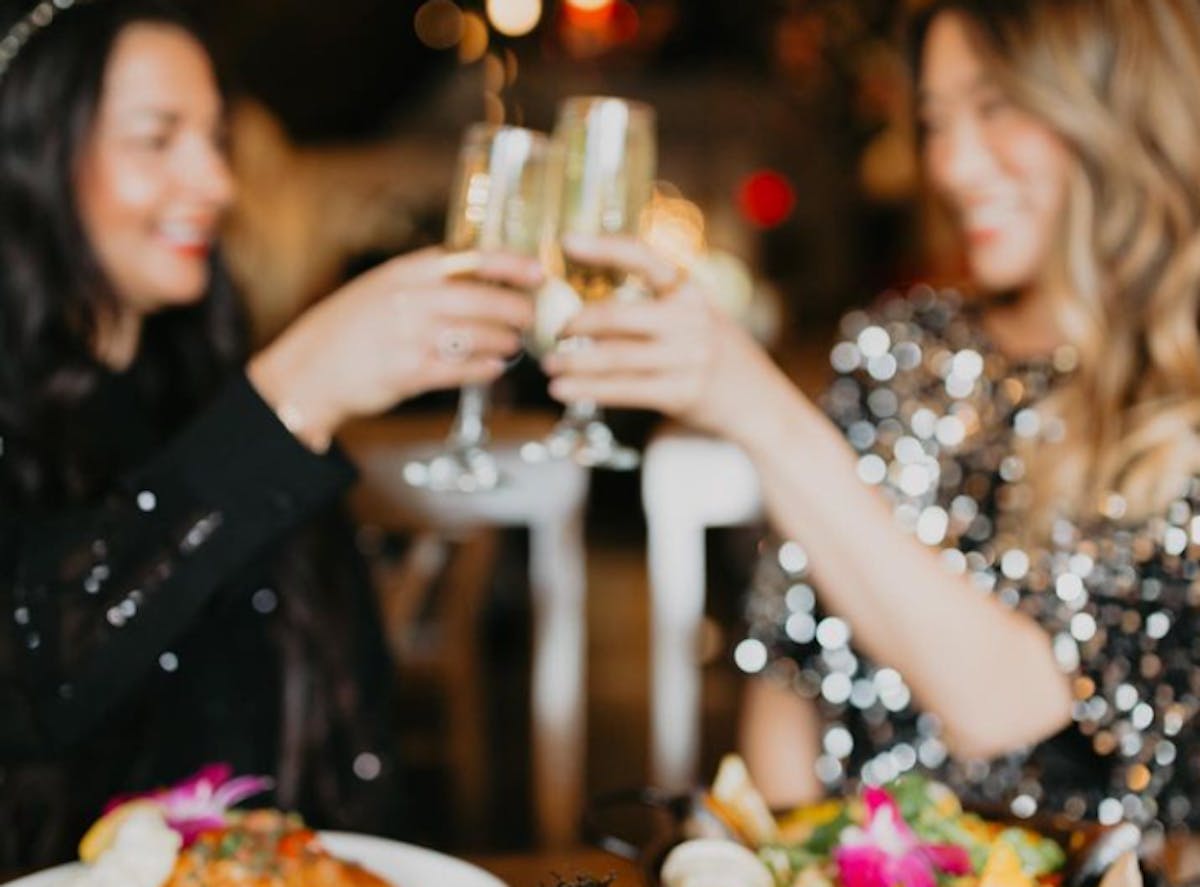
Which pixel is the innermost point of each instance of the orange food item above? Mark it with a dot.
(265, 848)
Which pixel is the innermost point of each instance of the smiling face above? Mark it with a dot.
(1002, 171)
(152, 183)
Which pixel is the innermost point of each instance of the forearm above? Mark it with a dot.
(987, 672)
(100, 591)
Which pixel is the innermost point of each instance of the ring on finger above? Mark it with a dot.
(454, 346)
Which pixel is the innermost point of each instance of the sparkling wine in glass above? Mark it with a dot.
(608, 154)
(499, 202)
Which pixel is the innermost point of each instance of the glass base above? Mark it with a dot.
(466, 470)
(591, 445)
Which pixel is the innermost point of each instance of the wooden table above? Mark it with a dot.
(542, 869)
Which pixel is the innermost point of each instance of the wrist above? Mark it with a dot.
(280, 378)
(771, 419)
(782, 422)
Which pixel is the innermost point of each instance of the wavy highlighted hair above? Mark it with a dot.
(1119, 82)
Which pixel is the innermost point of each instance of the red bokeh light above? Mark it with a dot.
(623, 26)
(588, 13)
(590, 28)
(766, 198)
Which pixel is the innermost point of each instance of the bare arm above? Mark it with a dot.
(988, 673)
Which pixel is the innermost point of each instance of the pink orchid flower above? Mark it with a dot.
(887, 853)
(199, 803)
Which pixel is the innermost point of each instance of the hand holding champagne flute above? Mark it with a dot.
(608, 156)
(498, 204)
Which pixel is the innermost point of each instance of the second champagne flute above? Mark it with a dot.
(498, 203)
(608, 153)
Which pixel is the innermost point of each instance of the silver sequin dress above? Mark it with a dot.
(933, 412)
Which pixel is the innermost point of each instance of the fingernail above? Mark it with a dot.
(560, 390)
(551, 363)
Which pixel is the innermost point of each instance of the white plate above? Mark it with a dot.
(405, 865)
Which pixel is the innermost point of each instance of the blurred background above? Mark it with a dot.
(786, 159)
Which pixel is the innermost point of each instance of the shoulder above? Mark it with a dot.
(900, 330)
(921, 345)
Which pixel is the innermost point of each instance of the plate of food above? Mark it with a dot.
(189, 836)
(913, 832)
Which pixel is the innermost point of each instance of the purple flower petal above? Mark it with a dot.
(237, 790)
(197, 790)
(886, 852)
(886, 828)
(911, 870)
(861, 866)
(199, 803)
(877, 798)
(949, 858)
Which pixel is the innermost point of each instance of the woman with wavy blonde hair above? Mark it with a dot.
(1038, 443)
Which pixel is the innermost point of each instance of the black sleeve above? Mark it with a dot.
(91, 597)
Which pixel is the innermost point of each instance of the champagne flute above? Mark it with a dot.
(608, 155)
(498, 202)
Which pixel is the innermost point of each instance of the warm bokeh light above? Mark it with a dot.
(674, 226)
(589, 28)
(439, 24)
(514, 18)
(474, 43)
(624, 22)
(493, 109)
(493, 73)
(588, 14)
(512, 67)
(766, 198)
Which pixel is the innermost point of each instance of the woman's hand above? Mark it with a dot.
(676, 353)
(411, 325)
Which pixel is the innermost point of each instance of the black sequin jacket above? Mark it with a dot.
(146, 633)
(933, 412)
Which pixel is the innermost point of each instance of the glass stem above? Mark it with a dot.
(470, 422)
(581, 413)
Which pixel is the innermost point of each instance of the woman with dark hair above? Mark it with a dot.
(994, 518)
(171, 593)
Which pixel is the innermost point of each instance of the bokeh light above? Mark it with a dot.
(493, 109)
(493, 73)
(514, 18)
(512, 67)
(766, 198)
(474, 43)
(674, 226)
(588, 14)
(590, 28)
(439, 24)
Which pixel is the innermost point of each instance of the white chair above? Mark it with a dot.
(690, 482)
(547, 498)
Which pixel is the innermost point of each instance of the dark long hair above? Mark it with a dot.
(53, 293)
(52, 289)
